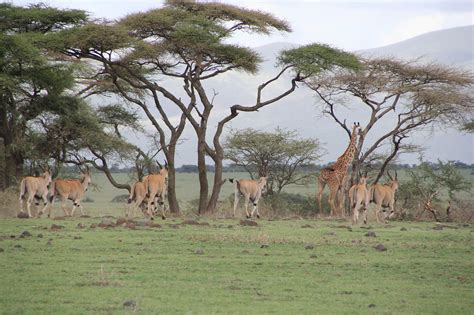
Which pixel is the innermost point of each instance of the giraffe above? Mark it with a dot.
(335, 174)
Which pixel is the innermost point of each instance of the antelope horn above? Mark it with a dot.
(390, 176)
(159, 165)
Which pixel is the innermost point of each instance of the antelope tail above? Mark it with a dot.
(231, 180)
(52, 191)
(22, 189)
(353, 197)
(371, 194)
(132, 193)
(147, 187)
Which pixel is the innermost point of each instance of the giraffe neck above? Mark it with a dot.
(346, 158)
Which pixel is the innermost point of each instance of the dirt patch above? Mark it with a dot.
(56, 227)
(121, 221)
(194, 222)
(248, 223)
(106, 223)
(130, 303)
(307, 226)
(343, 226)
(190, 222)
(22, 215)
(80, 226)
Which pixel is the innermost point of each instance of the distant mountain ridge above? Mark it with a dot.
(452, 46)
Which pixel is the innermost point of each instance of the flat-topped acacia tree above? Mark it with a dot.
(32, 81)
(189, 43)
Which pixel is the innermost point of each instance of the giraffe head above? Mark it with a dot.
(356, 129)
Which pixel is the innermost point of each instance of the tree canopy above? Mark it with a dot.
(32, 80)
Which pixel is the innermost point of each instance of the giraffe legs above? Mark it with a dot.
(321, 185)
(333, 188)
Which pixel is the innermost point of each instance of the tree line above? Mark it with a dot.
(56, 64)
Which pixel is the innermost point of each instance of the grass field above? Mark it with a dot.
(283, 266)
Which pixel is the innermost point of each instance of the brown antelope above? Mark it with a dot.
(156, 186)
(137, 198)
(35, 188)
(251, 190)
(384, 195)
(359, 197)
(72, 189)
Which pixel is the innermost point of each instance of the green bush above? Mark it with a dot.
(88, 199)
(120, 198)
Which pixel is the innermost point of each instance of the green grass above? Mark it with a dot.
(424, 271)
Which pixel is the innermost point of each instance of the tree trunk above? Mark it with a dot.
(203, 183)
(218, 182)
(13, 167)
(172, 198)
(3, 184)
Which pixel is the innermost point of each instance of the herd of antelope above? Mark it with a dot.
(150, 193)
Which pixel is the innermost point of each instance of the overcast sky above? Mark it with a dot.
(351, 25)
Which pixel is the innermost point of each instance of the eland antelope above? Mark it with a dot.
(138, 197)
(384, 195)
(359, 197)
(251, 190)
(156, 186)
(72, 189)
(35, 188)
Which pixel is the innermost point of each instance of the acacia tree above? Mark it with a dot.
(399, 98)
(279, 154)
(187, 42)
(87, 135)
(30, 83)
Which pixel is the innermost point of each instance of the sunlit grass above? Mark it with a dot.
(304, 266)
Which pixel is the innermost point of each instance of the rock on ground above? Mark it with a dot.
(380, 248)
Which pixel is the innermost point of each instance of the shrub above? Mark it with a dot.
(120, 198)
(88, 199)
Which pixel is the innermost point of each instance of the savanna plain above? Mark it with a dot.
(215, 264)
